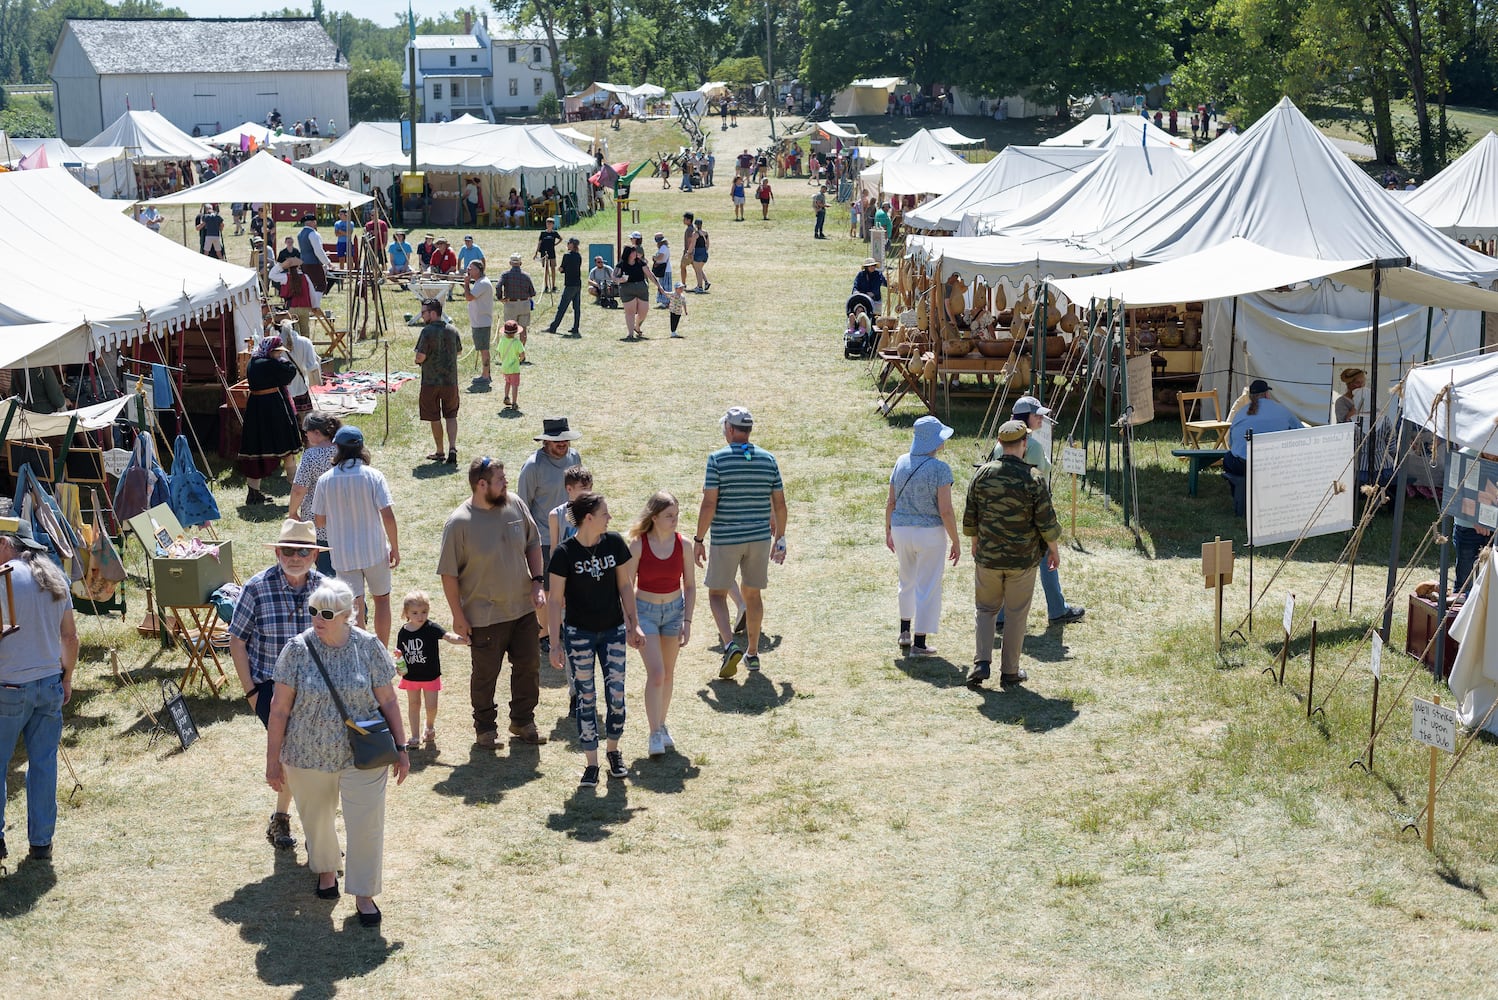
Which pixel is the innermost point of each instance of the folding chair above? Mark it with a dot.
(1192, 430)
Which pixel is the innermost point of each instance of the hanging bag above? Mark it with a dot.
(191, 499)
(372, 742)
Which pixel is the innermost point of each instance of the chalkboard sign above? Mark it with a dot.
(175, 707)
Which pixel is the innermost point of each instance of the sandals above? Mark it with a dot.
(430, 736)
(436, 456)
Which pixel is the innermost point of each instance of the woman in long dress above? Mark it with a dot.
(270, 439)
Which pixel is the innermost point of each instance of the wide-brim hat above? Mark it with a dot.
(870, 262)
(556, 429)
(302, 534)
(929, 434)
(26, 539)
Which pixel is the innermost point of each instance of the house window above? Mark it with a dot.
(536, 54)
(436, 91)
(512, 53)
(452, 60)
(473, 58)
(514, 87)
(537, 82)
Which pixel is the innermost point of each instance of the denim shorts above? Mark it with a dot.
(662, 619)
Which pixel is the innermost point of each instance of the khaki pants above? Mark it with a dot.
(993, 589)
(317, 795)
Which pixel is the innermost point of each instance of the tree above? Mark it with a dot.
(374, 91)
(739, 72)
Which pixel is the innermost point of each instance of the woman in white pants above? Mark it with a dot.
(308, 745)
(920, 528)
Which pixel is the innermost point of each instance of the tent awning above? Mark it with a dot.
(265, 177)
(27, 424)
(951, 137)
(1472, 386)
(845, 132)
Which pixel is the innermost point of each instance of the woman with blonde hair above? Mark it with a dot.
(665, 594)
(308, 748)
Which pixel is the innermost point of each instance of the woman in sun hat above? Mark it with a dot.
(920, 527)
(1346, 407)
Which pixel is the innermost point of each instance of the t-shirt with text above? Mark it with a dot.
(422, 649)
(592, 591)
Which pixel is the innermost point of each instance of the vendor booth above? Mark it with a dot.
(105, 170)
(155, 147)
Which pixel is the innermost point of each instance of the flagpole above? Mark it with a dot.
(411, 109)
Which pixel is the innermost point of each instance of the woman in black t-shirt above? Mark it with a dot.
(634, 289)
(593, 602)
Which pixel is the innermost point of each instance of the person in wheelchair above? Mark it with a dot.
(602, 286)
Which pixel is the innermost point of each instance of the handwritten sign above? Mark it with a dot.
(1289, 611)
(1434, 725)
(1376, 663)
(1141, 390)
(175, 707)
(1300, 483)
(1074, 461)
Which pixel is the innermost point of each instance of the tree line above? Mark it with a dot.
(1359, 57)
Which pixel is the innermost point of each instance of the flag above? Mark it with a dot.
(35, 161)
(244, 143)
(411, 20)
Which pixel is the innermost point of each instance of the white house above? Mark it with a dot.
(200, 74)
(475, 74)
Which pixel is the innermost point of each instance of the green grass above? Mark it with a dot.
(1144, 818)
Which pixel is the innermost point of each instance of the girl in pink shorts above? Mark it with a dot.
(418, 653)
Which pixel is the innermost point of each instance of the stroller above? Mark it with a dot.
(857, 343)
(608, 295)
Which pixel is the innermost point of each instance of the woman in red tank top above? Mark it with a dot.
(665, 594)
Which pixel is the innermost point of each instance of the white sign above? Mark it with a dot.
(1487, 515)
(115, 460)
(1300, 483)
(1074, 461)
(1141, 389)
(1289, 611)
(1378, 653)
(1434, 725)
(1042, 436)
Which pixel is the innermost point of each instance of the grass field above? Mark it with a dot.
(1144, 818)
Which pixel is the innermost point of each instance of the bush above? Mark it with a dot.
(27, 124)
(547, 106)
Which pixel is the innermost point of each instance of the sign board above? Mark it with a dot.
(1074, 461)
(1141, 389)
(1301, 483)
(1217, 560)
(1042, 436)
(1376, 663)
(1434, 725)
(406, 135)
(413, 184)
(1289, 611)
(1471, 489)
(175, 708)
(115, 460)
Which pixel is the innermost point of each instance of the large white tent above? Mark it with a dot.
(1118, 182)
(1014, 177)
(137, 285)
(105, 169)
(1212, 150)
(147, 135)
(949, 136)
(865, 97)
(1094, 128)
(1471, 386)
(919, 165)
(1001, 259)
(1462, 200)
(449, 146)
(265, 177)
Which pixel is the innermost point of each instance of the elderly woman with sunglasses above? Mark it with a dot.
(308, 748)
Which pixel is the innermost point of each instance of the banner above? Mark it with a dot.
(1300, 483)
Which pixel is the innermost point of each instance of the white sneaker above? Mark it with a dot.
(666, 741)
(657, 745)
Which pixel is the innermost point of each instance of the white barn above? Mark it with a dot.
(475, 74)
(203, 74)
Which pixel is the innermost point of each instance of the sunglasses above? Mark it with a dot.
(484, 463)
(295, 550)
(327, 614)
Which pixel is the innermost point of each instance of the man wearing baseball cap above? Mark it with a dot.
(1013, 527)
(743, 506)
(1262, 415)
(1029, 411)
(572, 288)
(517, 292)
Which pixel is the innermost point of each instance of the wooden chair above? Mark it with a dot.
(1193, 429)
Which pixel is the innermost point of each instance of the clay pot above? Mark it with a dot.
(1055, 347)
(1170, 337)
(1004, 316)
(958, 348)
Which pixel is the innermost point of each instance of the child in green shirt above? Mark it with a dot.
(511, 354)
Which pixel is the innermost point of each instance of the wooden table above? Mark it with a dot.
(197, 639)
(910, 378)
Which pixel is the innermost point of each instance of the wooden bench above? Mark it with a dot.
(1198, 459)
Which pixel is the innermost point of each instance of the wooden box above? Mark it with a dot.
(1422, 624)
(186, 582)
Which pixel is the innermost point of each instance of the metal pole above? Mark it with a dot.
(1369, 448)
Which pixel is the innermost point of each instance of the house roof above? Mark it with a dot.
(448, 42)
(191, 45)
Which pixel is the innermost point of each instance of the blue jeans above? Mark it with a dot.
(571, 295)
(1050, 582)
(34, 711)
(1467, 543)
(583, 650)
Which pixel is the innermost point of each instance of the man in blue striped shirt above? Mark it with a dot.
(743, 505)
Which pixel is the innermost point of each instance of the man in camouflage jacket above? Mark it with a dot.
(1010, 520)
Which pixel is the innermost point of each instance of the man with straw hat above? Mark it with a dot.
(272, 610)
(1013, 526)
(517, 292)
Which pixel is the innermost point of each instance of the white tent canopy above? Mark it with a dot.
(468, 118)
(998, 258)
(865, 97)
(1119, 181)
(1014, 177)
(1093, 128)
(923, 148)
(105, 169)
(714, 90)
(949, 136)
(138, 285)
(573, 135)
(1212, 150)
(834, 130)
(147, 135)
(919, 165)
(452, 147)
(1462, 200)
(265, 177)
(1472, 387)
(230, 136)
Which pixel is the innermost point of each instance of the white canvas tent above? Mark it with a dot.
(452, 147)
(104, 169)
(1462, 200)
(1212, 150)
(1094, 128)
(147, 135)
(865, 97)
(231, 136)
(53, 316)
(1119, 181)
(573, 135)
(1014, 177)
(265, 177)
(919, 165)
(949, 136)
(848, 133)
(1471, 385)
(1000, 259)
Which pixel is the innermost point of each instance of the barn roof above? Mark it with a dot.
(198, 45)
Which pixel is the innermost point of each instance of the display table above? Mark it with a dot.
(197, 639)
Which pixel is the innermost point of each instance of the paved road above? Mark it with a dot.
(1354, 149)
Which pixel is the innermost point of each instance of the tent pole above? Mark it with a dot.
(1370, 450)
(1430, 314)
(1108, 402)
(1399, 487)
(1041, 320)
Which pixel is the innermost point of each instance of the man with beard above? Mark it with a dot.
(491, 570)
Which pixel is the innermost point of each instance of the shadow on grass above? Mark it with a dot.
(26, 884)
(937, 670)
(755, 696)
(1020, 706)
(589, 817)
(486, 776)
(667, 774)
(434, 470)
(300, 947)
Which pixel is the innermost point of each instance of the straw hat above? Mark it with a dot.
(302, 534)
